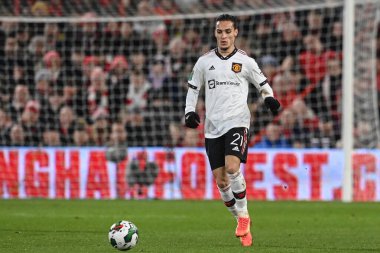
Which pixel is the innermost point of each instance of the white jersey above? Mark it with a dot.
(226, 81)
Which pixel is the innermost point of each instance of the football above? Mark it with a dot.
(123, 235)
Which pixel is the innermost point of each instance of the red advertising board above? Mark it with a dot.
(183, 173)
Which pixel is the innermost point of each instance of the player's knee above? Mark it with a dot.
(222, 182)
(232, 168)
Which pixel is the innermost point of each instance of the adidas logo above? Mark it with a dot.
(236, 149)
(211, 68)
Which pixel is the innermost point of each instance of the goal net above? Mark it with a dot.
(110, 73)
(83, 69)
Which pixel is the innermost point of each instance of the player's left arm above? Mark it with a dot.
(260, 81)
(269, 100)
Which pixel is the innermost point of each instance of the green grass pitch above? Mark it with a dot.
(187, 226)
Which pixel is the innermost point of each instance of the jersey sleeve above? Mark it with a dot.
(258, 79)
(255, 75)
(195, 82)
(196, 79)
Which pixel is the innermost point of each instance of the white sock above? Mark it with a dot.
(229, 199)
(238, 188)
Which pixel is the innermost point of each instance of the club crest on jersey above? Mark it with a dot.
(236, 67)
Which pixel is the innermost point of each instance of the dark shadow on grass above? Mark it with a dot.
(322, 248)
(49, 231)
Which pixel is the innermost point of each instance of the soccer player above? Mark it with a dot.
(226, 73)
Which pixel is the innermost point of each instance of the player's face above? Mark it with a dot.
(225, 35)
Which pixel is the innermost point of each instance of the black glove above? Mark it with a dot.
(192, 120)
(273, 105)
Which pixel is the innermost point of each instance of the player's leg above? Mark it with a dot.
(224, 187)
(236, 145)
(226, 193)
(215, 153)
(238, 185)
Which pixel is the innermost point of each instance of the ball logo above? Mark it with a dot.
(236, 67)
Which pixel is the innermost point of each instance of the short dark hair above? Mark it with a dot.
(228, 17)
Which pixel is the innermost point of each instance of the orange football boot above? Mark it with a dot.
(243, 226)
(246, 240)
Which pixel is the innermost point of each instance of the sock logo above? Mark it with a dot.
(240, 195)
(230, 203)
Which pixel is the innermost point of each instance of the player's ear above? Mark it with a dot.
(236, 32)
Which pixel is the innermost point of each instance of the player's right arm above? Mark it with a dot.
(194, 83)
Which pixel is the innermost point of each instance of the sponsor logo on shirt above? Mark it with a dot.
(213, 83)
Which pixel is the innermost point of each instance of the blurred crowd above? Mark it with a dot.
(102, 83)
